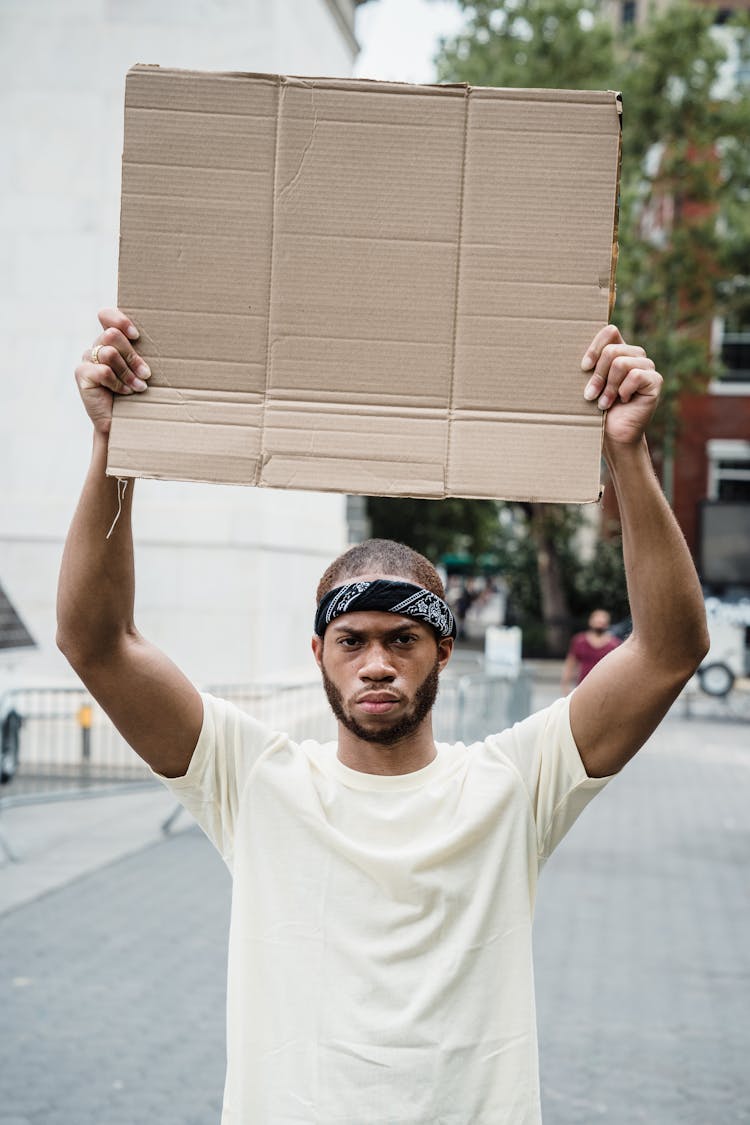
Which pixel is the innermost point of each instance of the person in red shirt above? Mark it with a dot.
(587, 649)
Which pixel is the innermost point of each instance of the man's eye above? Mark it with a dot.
(404, 639)
(349, 642)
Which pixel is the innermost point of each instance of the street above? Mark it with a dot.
(112, 986)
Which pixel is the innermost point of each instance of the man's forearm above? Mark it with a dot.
(666, 602)
(96, 587)
(568, 674)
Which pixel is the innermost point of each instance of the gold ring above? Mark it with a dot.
(95, 353)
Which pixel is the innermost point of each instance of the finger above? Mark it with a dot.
(115, 318)
(619, 369)
(109, 357)
(113, 338)
(93, 375)
(608, 335)
(640, 381)
(611, 355)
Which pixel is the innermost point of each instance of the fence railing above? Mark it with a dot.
(468, 706)
(59, 735)
(471, 706)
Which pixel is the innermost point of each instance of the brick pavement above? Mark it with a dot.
(643, 941)
(114, 988)
(114, 984)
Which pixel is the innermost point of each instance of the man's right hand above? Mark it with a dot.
(118, 370)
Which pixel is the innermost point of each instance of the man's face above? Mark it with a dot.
(380, 673)
(599, 621)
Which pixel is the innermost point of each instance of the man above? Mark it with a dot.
(380, 967)
(587, 648)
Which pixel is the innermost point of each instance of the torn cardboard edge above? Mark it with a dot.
(377, 213)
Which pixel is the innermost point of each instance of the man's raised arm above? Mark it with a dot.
(153, 705)
(626, 695)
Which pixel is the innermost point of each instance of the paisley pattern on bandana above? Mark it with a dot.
(430, 608)
(389, 597)
(345, 595)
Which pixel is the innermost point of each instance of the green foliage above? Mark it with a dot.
(675, 265)
(684, 231)
(529, 43)
(684, 215)
(599, 583)
(436, 527)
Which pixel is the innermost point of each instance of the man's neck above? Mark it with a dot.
(407, 756)
(596, 640)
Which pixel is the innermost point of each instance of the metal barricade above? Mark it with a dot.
(468, 707)
(62, 738)
(298, 709)
(472, 706)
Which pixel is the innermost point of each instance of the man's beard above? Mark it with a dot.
(424, 700)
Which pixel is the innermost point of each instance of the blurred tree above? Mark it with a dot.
(535, 43)
(684, 224)
(684, 229)
(684, 217)
(436, 527)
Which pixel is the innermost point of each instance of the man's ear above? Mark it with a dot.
(317, 647)
(445, 651)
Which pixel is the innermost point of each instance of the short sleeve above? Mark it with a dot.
(229, 745)
(543, 751)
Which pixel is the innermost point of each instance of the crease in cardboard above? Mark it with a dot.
(196, 395)
(382, 411)
(270, 456)
(292, 468)
(289, 186)
(280, 88)
(457, 278)
(155, 354)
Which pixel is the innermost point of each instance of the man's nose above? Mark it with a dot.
(377, 664)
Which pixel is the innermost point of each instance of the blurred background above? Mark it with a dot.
(683, 292)
(216, 564)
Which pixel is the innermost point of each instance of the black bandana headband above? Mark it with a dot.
(388, 597)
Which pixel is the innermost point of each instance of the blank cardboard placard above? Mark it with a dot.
(365, 287)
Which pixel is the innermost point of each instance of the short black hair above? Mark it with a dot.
(381, 556)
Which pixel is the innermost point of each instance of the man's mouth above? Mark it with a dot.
(377, 703)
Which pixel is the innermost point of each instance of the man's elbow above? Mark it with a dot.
(64, 641)
(702, 645)
(72, 638)
(673, 658)
(87, 653)
(72, 649)
(692, 652)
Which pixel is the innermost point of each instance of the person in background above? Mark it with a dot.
(587, 649)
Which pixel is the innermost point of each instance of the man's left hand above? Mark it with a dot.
(625, 383)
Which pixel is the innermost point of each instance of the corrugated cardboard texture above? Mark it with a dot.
(365, 287)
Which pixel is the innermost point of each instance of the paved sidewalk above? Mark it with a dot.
(642, 943)
(112, 960)
(114, 988)
(57, 841)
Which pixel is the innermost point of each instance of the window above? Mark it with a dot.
(731, 343)
(628, 11)
(729, 470)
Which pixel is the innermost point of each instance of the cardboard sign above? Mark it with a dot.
(365, 287)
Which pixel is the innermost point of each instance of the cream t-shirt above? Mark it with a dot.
(380, 964)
